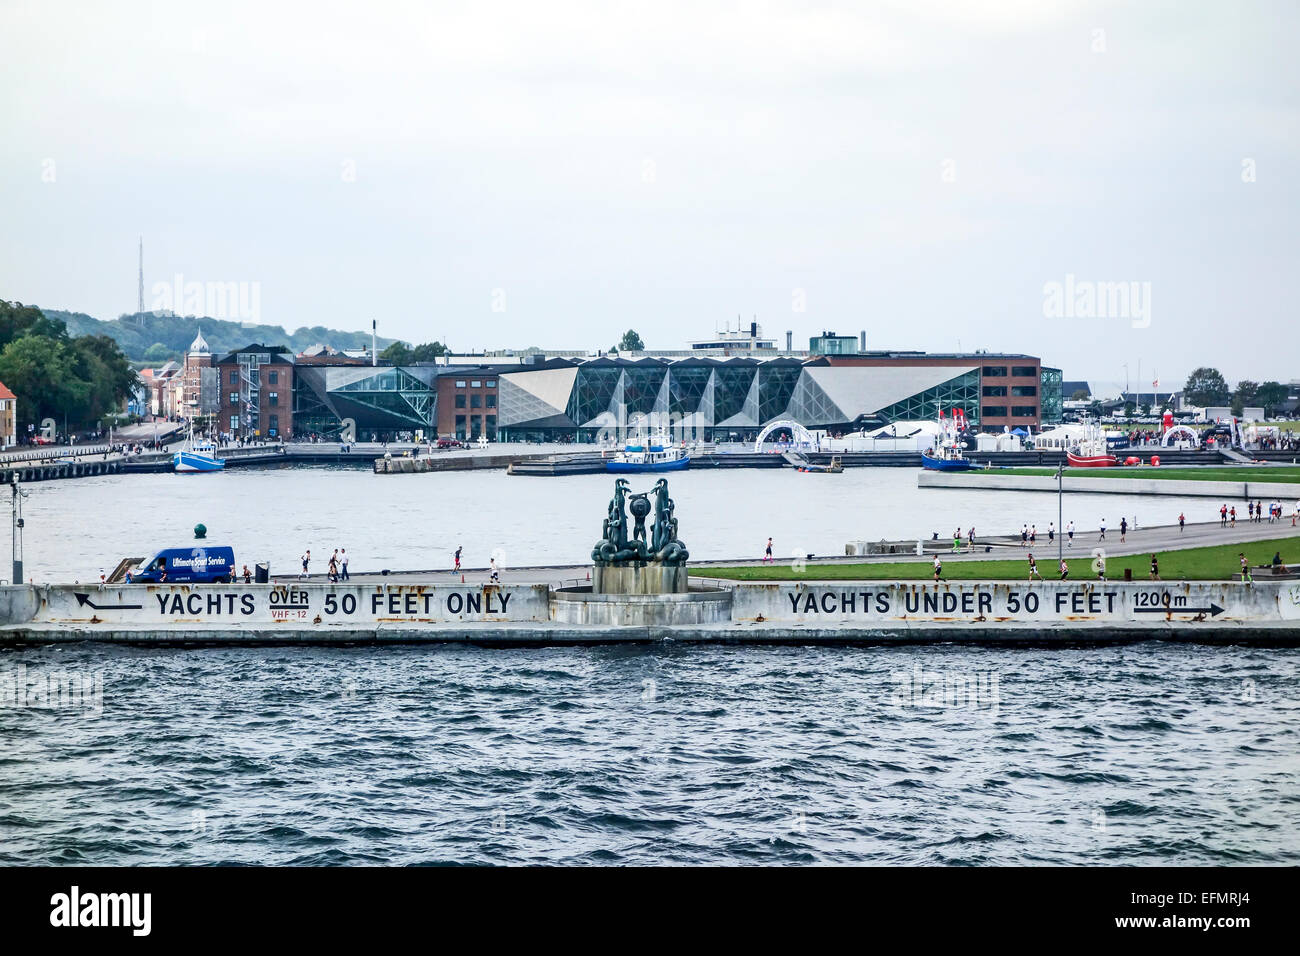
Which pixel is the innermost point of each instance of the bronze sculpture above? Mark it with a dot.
(662, 544)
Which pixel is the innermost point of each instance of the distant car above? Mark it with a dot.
(450, 443)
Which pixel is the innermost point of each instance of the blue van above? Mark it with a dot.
(187, 566)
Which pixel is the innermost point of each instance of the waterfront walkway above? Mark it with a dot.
(1155, 539)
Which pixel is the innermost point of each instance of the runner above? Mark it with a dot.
(459, 548)
(1051, 531)
(1245, 568)
(495, 575)
(767, 555)
(1064, 569)
(956, 541)
(1102, 536)
(1024, 536)
(938, 568)
(1123, 529)
(248, 575)
(306, 560)
(1033, 535)
(1033, 568)
(1155, 569)
(1182, 521)
(1223, 517)
(1069, 532)
(1232, 516)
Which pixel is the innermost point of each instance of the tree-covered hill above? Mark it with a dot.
(150, 337)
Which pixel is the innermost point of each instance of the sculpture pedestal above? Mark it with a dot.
(651, 577)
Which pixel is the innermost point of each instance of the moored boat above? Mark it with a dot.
(947, 454)
(197, 457)
(651, 454)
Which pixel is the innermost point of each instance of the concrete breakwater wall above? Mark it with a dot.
(814, 612)
(1132, 485)
(1041, 604)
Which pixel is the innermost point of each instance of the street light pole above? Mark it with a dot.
(1060, 512)
(17, 530)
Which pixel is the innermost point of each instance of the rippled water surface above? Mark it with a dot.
(1145, 754)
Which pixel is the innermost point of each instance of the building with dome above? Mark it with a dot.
(198, 396)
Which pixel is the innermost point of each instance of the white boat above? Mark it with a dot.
(197, 457)
(651, 453)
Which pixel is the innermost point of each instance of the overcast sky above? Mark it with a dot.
(513, 174)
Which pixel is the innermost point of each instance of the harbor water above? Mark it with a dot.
(401, 522)
(1140, 754)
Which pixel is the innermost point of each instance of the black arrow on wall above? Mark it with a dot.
(84, 599)
(1213, 610)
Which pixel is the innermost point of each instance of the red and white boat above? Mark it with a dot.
(1091, 452)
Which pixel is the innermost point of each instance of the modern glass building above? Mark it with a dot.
(729, 400)
(380, 400)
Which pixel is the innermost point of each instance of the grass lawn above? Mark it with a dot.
(1285, 474)
(1213, 563)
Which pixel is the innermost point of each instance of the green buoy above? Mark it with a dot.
(200, 531)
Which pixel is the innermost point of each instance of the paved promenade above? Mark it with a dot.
(1143, 541)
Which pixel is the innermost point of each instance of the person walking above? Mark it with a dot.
(938, 568)
(767, 555)
(306, 561)
(1033, 568)
(1155, 568)
(343, 564)
(459, 549)
(1182, 522)
(1123, 529)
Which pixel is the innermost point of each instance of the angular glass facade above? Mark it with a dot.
(381, 401)
(962, 392)
(703, 399)
(1050, 397)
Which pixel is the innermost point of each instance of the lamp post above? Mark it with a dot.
(1060, 511)
(17, 529)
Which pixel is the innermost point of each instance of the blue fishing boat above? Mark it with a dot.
(649, 455)
(947, 454)
(197, 457)
(945, 459)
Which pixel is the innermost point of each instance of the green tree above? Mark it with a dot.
(1207, 386)
(108, 372)
(427, 352)
(399, 353)
(42, 372)
(157, 353)
(1244, 395)
(1272, 395)
(630, 342)
(1080, 395)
